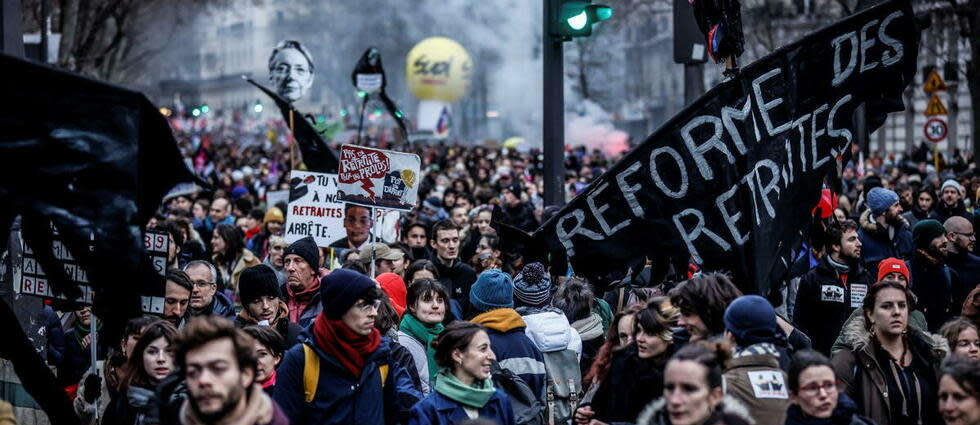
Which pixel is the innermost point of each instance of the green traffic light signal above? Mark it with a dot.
(574, 18)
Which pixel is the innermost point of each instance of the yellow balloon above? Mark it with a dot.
(438, 68)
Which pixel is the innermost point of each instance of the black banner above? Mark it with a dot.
(731, 180)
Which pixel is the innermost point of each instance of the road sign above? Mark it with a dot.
(935, 130)
(934, 83)
(935, 107)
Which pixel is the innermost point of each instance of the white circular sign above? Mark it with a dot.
(935, 130)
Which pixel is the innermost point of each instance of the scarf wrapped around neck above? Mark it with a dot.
(424, 333)
(475, 396)
(299, 300)
(347, 346)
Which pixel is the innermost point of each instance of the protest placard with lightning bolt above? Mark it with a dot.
(363, 170)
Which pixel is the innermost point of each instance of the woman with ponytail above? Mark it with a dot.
(463, 390)
(889, 369)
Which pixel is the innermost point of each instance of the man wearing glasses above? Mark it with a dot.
(359, 381)
(205, 298)
(357, 223)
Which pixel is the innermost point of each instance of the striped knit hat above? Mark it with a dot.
(532, 286)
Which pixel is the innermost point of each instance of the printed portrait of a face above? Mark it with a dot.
(291, 70)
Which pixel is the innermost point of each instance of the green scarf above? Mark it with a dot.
(425, 334)
(476, 396)
(82, 330)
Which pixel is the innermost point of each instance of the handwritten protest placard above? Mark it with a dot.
(379, 178)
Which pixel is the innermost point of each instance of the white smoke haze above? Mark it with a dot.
(503, 38)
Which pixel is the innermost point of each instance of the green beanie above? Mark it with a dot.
(925, 231)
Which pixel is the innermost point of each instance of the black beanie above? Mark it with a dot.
(340, 289)
(307, 249)
(257, 281)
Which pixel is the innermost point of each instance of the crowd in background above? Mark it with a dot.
(876, 323)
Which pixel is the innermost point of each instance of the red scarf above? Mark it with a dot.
(270, 381)
(299, 300)
(338, 340)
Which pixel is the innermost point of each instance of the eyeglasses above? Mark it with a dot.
(829, 387)
(201, 284)
(968, 235)
(365, 306)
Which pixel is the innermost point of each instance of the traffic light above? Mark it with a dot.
(574, 18)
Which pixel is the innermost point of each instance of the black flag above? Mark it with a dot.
(730, 181)
(317, 156)
(95, 161)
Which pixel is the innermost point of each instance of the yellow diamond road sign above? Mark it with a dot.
(934, 83)
(935, 107)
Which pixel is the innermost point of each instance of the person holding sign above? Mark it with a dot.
(829, 292)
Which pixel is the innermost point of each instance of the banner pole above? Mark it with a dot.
(292, 143)
(94, 352)
(371, 235)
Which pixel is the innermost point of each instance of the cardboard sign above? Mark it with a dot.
(316, 210)
(379, 178)
(32, 280)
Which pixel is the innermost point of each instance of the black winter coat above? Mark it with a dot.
(824, 302)
(938, 287)
(457, 279)
(846, 413)
(631, 384)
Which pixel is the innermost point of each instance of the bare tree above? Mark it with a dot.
(111, 39)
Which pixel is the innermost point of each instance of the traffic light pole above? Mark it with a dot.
(554, 114)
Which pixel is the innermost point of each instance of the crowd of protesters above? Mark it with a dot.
(876, 324)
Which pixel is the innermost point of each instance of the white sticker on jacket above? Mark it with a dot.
(858, 291)
(768, 384)
(832, 293)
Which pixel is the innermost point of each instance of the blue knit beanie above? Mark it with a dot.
(492, 290)
(751, 319)
(340, 289)
(532, 286)
(880, 199)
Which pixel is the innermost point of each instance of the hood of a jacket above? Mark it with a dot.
(590, 327)
(221, 305)
(549, 331)
(656, 412)
(500, 320)
(857, 338)
(869, 224)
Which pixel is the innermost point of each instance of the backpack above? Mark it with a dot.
(564, 385)
(311, 373)
(528, 409)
